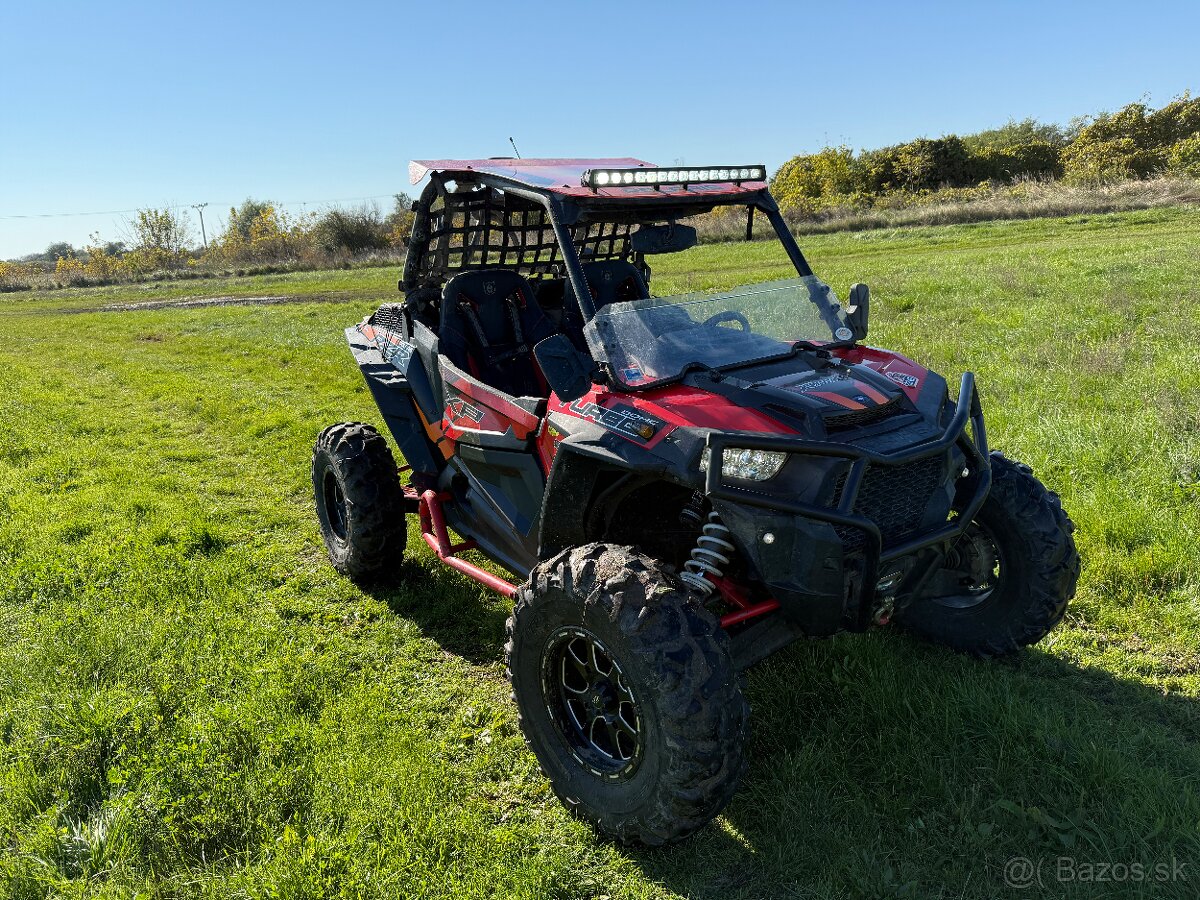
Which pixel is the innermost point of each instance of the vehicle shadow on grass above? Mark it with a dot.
(883, 767)
(464, 618)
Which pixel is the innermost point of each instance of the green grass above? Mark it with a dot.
(193, 704)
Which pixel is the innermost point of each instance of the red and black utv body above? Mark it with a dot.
(680, 485)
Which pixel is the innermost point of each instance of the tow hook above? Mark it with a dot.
(885, 596)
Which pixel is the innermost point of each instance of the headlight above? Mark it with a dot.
(753, 465)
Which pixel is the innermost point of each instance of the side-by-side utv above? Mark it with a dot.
(679, 485)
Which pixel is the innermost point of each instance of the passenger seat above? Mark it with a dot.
(490, 321)
(610, 281)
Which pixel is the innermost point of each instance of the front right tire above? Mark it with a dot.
(1007, 581)
(626, 694)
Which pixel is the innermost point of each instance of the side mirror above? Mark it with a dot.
(858, 311)
(567, 371)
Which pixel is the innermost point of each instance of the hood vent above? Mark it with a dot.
(856, 418)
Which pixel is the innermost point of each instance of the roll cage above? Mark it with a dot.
(513, 214)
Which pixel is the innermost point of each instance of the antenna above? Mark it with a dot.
(514, 146)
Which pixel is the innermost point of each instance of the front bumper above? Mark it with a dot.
(814, 588)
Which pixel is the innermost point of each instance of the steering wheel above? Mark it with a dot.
(728, 315)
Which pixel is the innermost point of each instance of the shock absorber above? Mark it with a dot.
(692, 513)
(712, 551)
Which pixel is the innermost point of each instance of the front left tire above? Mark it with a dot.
(627, 694)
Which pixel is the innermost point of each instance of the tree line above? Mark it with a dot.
(256, 233)
(834, 185)
(1134, 142)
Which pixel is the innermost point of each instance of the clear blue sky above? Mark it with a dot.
(117, 105)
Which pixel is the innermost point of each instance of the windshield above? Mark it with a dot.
(648, 342)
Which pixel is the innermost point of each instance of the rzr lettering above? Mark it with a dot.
(826, 381)
(461, 409)
(397, 352)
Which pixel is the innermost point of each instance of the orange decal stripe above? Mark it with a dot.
(870, 391)
(836, 398)
(438, 439)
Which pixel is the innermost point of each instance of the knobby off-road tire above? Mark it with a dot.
(360, 503)
(1027, 591)
(669, 673)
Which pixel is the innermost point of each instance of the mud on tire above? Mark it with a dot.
(671, 668)
(1038, 569)
(360, 504)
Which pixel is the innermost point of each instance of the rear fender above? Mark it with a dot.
(400, 388)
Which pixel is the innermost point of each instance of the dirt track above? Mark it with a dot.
(194, 302)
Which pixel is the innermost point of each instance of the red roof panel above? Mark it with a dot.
(565, 176)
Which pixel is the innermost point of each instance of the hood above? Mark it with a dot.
(833, 392)
(814, 397)
(804, 395)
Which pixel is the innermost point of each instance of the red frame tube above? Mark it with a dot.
(436, 535)
(746, 610)
(750, 612)
(433, 529)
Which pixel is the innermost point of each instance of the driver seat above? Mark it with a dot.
(610, 281)
(490, 322)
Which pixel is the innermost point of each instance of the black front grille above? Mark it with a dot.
(894, 497)
(853, 539)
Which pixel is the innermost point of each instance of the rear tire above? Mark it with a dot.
(626, 694)
(360, 503)
(1010, 577)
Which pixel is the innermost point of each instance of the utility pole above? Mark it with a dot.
(199, 207)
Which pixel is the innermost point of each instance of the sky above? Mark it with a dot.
(114, 106)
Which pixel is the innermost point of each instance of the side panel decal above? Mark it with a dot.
(626, 421)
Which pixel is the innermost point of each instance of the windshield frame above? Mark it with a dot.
(568, 211)
(565, 212)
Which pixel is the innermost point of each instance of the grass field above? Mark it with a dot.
(192, 704)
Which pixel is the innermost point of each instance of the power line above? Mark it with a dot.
(337, 200)
(109, 212)
(121, 212)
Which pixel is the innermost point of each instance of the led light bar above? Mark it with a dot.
(652, 177)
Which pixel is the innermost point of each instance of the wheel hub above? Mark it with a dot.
(598, 702)
(335, 505)
(972, 570)
(590, 701)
